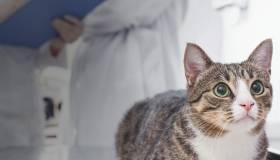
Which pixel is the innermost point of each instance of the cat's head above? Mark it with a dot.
(229, 97)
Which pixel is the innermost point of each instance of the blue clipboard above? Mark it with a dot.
(31, 25)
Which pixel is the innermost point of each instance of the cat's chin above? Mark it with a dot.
(245, 119)
(245, 123)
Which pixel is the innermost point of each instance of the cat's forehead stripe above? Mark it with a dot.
(238, 71)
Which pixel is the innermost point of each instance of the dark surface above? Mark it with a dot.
(273, 156)
(31, 25)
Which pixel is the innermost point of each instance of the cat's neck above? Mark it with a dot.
(237, 144)
(231, 146)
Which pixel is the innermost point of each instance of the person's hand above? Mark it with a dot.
(56, 46)
(69, 28)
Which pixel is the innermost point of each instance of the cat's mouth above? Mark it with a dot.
(246, 118)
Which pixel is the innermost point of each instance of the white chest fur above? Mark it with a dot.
(232, 146)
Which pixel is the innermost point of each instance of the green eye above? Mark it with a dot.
(221, 90)
(257, 88)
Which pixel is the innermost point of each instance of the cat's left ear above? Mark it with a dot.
(262, 55)
(196, 61)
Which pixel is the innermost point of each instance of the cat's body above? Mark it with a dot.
(147, 131)
(221, 117)
(156, 129)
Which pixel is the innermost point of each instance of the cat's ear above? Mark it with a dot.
(196, 61)
(262, 55)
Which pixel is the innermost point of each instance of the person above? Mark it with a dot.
(128, 51)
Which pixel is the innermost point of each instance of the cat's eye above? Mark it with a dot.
(257, 88)
(221, 90)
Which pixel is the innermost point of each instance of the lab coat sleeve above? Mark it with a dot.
(116, 15)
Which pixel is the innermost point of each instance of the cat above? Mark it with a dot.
(221, 115)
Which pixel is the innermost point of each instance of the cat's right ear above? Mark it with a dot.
(195, 61)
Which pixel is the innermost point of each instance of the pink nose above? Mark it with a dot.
(247, 106)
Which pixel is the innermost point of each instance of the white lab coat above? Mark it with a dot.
(21, 109)
(20, 115)
(129, 51)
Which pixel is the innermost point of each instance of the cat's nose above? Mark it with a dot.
(247, 106)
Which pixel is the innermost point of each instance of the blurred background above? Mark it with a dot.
(70, 68)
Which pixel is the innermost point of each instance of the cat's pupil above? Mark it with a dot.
(257, 88)
(221, 90)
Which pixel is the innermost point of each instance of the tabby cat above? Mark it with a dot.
(221, 116)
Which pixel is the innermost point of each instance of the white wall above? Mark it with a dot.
(203, 26)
